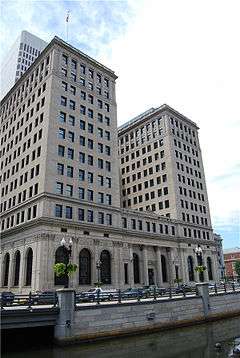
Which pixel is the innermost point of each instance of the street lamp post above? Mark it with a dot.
(98, 266)
(68, 250)
(198, 252)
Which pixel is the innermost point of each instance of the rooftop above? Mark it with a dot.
(150, 112)
(231, 251)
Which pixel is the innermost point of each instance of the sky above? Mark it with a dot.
(184, 53)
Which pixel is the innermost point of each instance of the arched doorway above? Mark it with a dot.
(190, 268)
(61, 256)
(209, 268)
(17, 268)
(136, 273)
(84, 267)
(105, 272)
(6, 262)
(164, 268)
(29, 261)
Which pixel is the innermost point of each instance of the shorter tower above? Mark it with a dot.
(22, 54)
(162, 169)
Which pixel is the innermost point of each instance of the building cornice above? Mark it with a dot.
(56, 41)
(90, 227)
(139, 120)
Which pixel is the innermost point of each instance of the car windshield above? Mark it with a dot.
(92, 290)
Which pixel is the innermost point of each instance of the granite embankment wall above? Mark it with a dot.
(111, 320)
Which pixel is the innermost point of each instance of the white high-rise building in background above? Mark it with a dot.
(22, 54)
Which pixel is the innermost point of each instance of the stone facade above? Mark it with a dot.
(60, 178)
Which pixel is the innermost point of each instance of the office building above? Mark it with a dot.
(21, 55)
(60, 179)
(162, 170)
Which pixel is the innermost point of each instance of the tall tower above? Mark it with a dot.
(58, 135)
(22, 54)
(162, 169)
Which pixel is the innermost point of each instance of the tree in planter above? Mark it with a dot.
(178, 281)
(62, 269)
(237, 268)
(200, 268)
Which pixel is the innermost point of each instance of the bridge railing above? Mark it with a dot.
(43, 299)
(154, 294)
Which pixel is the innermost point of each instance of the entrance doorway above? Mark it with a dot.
(151, 276)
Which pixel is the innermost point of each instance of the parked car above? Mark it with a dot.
(7, 298)
(44, 298)
(183, 288)
(135, 293)
(96, 293)
(149, 290)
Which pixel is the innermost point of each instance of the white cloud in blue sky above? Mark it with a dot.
(185, 53)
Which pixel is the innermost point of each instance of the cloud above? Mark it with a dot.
(92, 24)
(183, 53)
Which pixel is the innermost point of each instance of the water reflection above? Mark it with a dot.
(193, 342)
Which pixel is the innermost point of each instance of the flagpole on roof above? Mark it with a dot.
(67, 20)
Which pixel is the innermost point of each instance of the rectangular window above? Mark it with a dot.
(68, 212)
(100, 218)
(62, 117)
(81, 193)
(81, 175)
(69, 190)
(58, 211)
(63, 101)
(81, 214)
(90, 216)
(109, 219)
(70, 153)
(60, 169)
(90, 195)
(59, 188)
(61, 150)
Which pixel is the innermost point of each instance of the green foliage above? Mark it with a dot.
(178, 280)
(200, 268)
(237, 267)
(62, 269)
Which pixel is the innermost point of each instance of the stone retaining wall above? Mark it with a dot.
(111, 320)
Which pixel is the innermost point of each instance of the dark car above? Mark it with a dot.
(134, 293)
(45, 298)
(183, 288)
(7, 298)
(151, 289)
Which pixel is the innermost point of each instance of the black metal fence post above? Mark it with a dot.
(184, 292)
(98, 297)
(215, 287)
(225, 287)
(233, 287)
(30, 300)
(154, 293)
(170, 292)
(119, 296)
(138, 296)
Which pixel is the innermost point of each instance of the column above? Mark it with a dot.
(145, 266)
(159, 267)
(184, 270)
(170, 259)
(38, 265)
(131, 275)
(73, 279)
(114, 266)
(195, 263)
(22, 270)
(215, 270)
(11, 270)
(205, 273)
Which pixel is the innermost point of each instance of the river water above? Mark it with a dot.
(191, 342)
